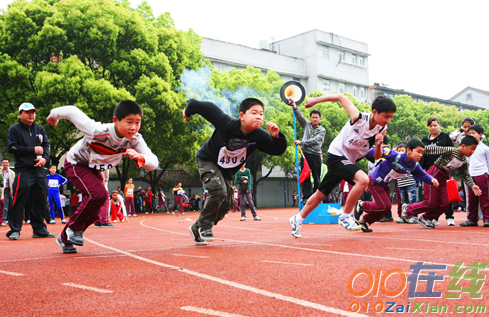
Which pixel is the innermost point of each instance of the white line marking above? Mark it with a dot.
(88, 288)
(410, 249)
(11, 273)
(192, 256)
(209, 312)
(288, 263)
(99, 256)
(293, 300)
(333, 252)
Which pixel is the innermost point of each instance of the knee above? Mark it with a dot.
(361, 180)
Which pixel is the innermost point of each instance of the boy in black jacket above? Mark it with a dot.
(30, 145)
(232, 142)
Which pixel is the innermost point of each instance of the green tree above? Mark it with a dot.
(92, 54)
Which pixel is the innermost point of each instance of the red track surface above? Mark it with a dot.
(151, 267)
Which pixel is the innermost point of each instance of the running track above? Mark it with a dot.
(151, 267)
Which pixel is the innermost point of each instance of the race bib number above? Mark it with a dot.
(392, 175)
(230, 159)
(130, 191)
(357, 144)
(53, 183)
(103, 162)
(453, 164)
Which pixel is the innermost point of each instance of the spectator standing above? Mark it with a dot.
(243, 179)
(54, 182)
(311, 143)
(30, 145)
(148, 200)
(178, 192)
(73, 202)
(162, 200)
(129, 197)
(8, 191)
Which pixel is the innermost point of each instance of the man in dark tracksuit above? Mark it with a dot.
(30, 146)
(311, 144)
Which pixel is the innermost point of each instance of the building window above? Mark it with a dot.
(361, 60)
(469, 97)
(326, 85)
(354, 59)
(342, 87)
(355, 91)
(326, 51)
(362, 93)
(342, 56)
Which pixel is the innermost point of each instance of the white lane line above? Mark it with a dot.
(209, 312)
(11, 273)
(88, 288)
(99, 256)
(325, 251)
(288, 263)
(192, 256)
(409, 249)
(258, 291)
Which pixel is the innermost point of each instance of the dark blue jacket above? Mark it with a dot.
(21, 140)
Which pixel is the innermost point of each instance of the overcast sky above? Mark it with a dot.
(435, 48)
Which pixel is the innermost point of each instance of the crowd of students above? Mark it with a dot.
(221, 165)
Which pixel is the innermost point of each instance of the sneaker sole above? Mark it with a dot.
(427, 227)
(193, 236)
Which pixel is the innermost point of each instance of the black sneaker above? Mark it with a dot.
(358, 210)
(364, 227)
(66, 248)
(37, 235)
(98, 225)
(206, 234)
(194, 231)
(75, 237)
(486, 223)
(107, 225)
(426, 223)
(470, 223)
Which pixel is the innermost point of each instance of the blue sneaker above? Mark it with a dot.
(349, 223)
(296, 227)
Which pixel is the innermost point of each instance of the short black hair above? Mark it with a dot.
(430, 120)
(402, 144)
(315, 111)
(127, 107)
(414, 143)
(248, 103)
(469, 120)
(477, 128)
(469, 140)
(384, 104)
(385, 140)
(5, 159)
(52, 166)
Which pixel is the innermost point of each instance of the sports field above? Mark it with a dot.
(151, 267)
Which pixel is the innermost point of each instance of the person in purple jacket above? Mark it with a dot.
(393, 167)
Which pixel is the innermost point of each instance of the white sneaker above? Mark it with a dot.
(435, 222)
(129, 215)
(296, 227)
(451, 222)
(349, 223)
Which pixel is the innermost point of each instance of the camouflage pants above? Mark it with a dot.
(220, 190)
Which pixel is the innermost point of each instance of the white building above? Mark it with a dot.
(473, 96)
(321, 61)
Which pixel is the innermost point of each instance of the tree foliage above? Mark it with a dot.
(92, 54)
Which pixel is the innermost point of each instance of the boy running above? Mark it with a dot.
(232, 142)
(352, 144)
(102, 147)
(436, 199)
(394, 166)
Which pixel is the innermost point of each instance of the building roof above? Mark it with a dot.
(427, 98)
(467, 88)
